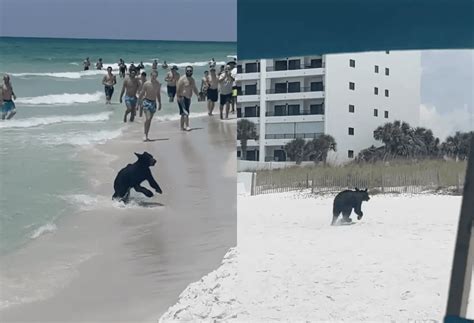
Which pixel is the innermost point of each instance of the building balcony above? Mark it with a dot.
(293, 136)
(292, 114)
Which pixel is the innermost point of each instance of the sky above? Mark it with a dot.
(184, 20)
(447, 91)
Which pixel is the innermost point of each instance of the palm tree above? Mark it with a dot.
(317, 149)
(246, 130)
(295, 150)
(457, 146)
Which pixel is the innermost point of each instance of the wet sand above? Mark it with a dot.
(108, 262)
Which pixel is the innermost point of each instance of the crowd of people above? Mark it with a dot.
(144, 96)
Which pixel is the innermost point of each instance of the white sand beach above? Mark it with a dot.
(290, 265)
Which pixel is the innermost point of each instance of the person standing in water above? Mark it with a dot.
(122, 68)
(204, 87)
(109, 81)
(99, 64)
(86, 64)
(6, 96)
(151, 92)
(171, 78)
(130, 88)
(164, 65)
(184, 92)
(154, 66)
(212, 92)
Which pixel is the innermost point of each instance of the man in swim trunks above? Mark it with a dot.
(225, 80)
(164, 65)
(122, 68)
(171, 78)
(130, 85)
(204, 87)
(212, 92)
(233, 73)
(184, 91)
(109, 81)
(142, 82)
(154, 66)
(151, 91)
(140, 67)
(6, 95)
(87, 64)
(99, 64)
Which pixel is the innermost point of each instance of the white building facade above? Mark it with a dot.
(344, 95)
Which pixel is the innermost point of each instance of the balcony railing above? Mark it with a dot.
(251, 92)
(293, 136)
(295, 90)
(294, 67)
(287, 113)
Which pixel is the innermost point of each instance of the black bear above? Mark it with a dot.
(347, 200)
(132, 175)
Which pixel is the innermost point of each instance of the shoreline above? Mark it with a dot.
(110, 243)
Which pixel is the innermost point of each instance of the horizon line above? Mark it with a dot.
(124, 39)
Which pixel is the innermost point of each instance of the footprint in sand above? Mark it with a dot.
(406, 295)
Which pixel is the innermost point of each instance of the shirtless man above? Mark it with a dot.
(226, 80)
(212, 93)
(130, 84)
(154, 66)
(6, 95)
(171, 78)
(185, 88)
(151, 91)
(122, 68)
(99, 64)
(86, 64)
(142, 82)
(109, 81)
(204, 87)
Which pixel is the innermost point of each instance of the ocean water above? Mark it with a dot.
(60, 112)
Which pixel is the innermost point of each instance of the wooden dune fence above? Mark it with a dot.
(415, 182)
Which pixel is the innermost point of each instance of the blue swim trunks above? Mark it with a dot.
(149, 105)
(131, 101)
(8, 106)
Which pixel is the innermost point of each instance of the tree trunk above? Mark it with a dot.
(243, 145)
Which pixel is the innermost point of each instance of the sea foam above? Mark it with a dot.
(42, 121)
(61, 99)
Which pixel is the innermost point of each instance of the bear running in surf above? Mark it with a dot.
(133, 175)
(347, 200)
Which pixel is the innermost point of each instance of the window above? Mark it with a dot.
(352, 86)
(316, 109)
(376, 90)
(251, 68)
(351, 108)
(280, 88)
(316, 63)
(386, 93)
(317, 86)
(294, 64)
(351, 131)
(294, 87)
(387, 71)
(352, 63)
(350, 153)
(280, 110)
(281, 65)
(376, 68)
(376, 112)
(386, 114)
(251, 112)
(251, 89)
(293, 109)
(239, 68)
(238, 153)
(239, 112)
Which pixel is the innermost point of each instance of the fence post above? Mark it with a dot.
(252, 185)
(307, 180)
(381, 183)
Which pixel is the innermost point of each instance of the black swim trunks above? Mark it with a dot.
(184, 106)
(226, 98)
(171, 91)
(212, 95)
(109, 90)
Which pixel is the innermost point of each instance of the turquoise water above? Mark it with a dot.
(60, 111)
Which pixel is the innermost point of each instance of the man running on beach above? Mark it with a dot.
(225, 80)
(184, 92)
(130, 84)
(204, 87)
(87, 64)
(212, 93)
(151, 91)
(142, 83)
(6, 95)
(171, 78)
(109, 81)
(122, 68)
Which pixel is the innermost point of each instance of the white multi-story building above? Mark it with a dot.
(344, 95)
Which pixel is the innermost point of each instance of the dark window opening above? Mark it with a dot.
(352, 86)
(351, 131)
(351, 108)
